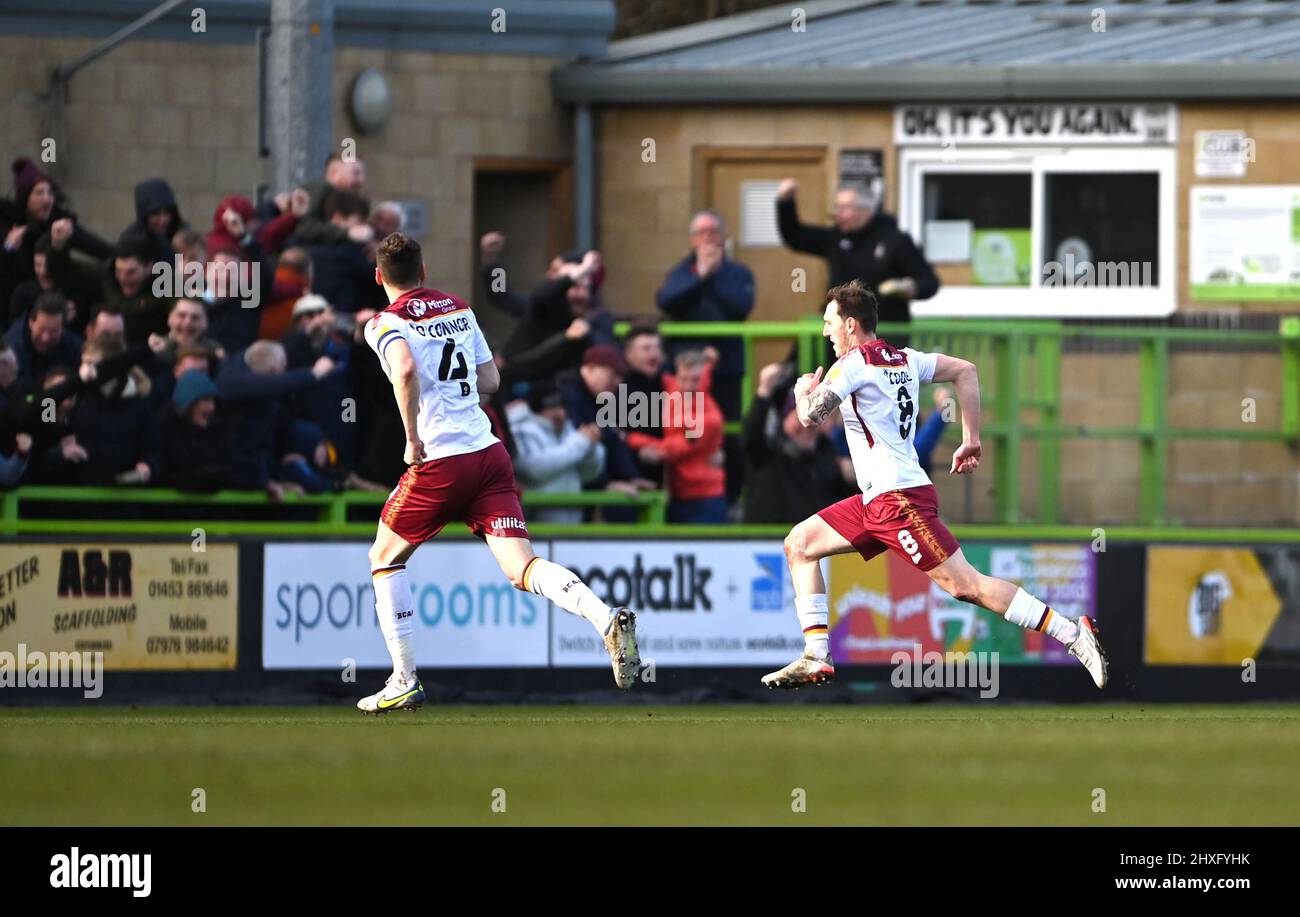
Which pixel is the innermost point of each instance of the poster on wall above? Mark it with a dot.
(1245, 242)
(887, 605)
(146, 607)
(1001, 257)
(1222, 154)
(1222, 606)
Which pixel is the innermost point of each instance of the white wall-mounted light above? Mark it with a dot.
(370, 101)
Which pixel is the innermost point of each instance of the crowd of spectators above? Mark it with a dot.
(231, 356)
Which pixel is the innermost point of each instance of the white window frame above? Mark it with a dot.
(1035, 300)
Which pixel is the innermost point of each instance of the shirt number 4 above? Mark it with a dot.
(445, 372)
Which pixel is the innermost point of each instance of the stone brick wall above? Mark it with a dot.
(188, 112)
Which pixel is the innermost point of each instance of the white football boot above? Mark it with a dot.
(620, 642)
(398, 694)
(806, 670)
(1087, 649)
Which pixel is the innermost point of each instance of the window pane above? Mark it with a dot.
(1101, 229)
(982, 221)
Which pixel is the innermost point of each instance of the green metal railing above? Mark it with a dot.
(331, 511)
(1020, 369)
(331, 520)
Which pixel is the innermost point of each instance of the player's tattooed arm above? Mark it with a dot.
(816, 406)
(814, 403)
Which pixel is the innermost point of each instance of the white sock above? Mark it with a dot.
(396, 610)
(562, 586)
(1032, 614)
(814, 618)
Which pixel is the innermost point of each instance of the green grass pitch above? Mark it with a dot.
(672, 765)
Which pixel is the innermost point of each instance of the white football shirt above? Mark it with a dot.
(447, 345)
(878, 386)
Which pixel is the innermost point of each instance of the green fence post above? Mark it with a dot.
(9, 509)
(805, 344)
(337, 511)
(1006, 355)
(746, 389)
(1290, 329)
(1049, 444)
(1153, 366)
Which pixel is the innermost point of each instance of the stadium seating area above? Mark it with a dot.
(229, 357)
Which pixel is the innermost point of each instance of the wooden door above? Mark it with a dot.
(721, 177)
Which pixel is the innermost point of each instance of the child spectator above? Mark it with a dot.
(691, 447)
(551, 455)
(309, 462)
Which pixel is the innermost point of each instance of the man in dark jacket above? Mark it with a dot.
(157, 218)
(114, 424)
(862, 245)
(340, 269)
(316, 334)
(43, 341)
(791, 471)
(25, 408)
(128, 284)
(706, 286)
(232, 296)
(644, 352)
(253, 383)
(380, 434)
(38, 208)
(315, 227)
(603, 368)
(53, 268)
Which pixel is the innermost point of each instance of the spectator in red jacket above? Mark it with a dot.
(235, 225)
(691, 447)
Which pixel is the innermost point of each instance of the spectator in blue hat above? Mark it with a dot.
(195, 438)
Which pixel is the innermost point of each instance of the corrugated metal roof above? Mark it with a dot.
(564, 28)
(1254, 42)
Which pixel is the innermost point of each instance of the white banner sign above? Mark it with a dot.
(1244, 243)
(319, 609)
(697, 602)
(1019, 123)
